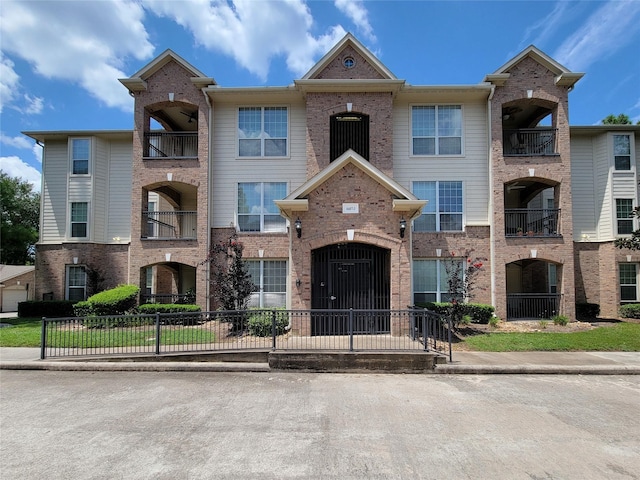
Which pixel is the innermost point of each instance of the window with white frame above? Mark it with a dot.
(622, 152)
(444, 209)
(270, 276)
(257, 211)
(431, 279)
(624, 220)
(80, 148)
(79, 219)
(436, 130)
(263, 131)
(628, 282)
(76, 283)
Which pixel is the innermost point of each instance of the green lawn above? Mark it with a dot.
(25, 333)
(622, 337)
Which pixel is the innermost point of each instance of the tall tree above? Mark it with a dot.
(621, 119)
(20, 220)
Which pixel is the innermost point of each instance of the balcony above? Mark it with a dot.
(532, 222)
(525, 142)
(164, 145)
(532, 305)
(171, 225)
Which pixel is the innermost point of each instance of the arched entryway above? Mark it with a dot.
(350, 275)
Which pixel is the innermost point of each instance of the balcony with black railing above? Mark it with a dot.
(527, 142)
(165, 145)
(172, 225)
(532, 222)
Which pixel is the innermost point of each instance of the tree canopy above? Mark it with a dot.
(20, 220)
(620, 119)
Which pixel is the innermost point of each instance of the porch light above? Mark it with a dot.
(403, 227)
(298, 225)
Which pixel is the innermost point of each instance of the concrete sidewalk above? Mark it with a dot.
(580, 363)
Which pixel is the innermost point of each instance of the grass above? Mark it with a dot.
(26, 332)
(622, 337)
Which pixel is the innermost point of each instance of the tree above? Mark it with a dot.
(20, 220)
(632, 242)
(460, 280)
(230, 279)
(621, 119)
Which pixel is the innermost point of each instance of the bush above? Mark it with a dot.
(630, 310)
(478, 312)
(494, 322)
(117, 321)
(183, 314)
(561, 320)
(49, 309)
(117, 301)
(261, 322)
(586, 311)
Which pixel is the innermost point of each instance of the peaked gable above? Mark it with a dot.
(404, 200)
(349, 59)
(137, 81)
(563, 76)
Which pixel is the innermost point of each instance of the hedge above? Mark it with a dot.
(185, 314)
(479, 313)
(116, 301)
(587, 310)
(48, 308)
(261, 322)
(630, 310)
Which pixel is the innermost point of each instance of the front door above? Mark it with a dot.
(350, 276)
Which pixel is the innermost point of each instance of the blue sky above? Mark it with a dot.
(60, 59)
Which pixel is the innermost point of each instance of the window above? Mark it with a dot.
(76, 283)
(430, 280)
(79, 216)
(262, 131)
(270, 276)
(622, 152)
(624, 207)
(553, 278)
(443, 212)
(256, 210)
(80, 156)
(436, 130)
(628, 283)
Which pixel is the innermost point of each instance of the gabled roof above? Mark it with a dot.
(8, 272)
(564, 77)
(349, 40)
(137, 81)
(405, 201)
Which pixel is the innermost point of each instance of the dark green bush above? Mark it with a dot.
(478, 312)
(117, 321)
(183, 314)
(261, 322)
(49, 309)
(630, 310)
(116, 301)
(586, 311)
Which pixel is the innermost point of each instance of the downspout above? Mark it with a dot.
(492, 253)
(207, 265)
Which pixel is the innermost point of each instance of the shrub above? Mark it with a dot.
(48, 308)
(184, 314)
(117, 301)
(117, 321)
(261, 322)
(630, 310)
(543, 324)
(494, 322)
(479, 313)
(561, 320)
(585, 311)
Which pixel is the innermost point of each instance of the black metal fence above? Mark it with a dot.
(533, 305)
(351, 330)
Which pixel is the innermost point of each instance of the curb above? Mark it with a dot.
(539, 369)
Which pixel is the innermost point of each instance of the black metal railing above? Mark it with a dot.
(172, 224)
(530, 142)
(173, 298)
(533, 305)
(160, 145)
(532, 222)
(408, 330)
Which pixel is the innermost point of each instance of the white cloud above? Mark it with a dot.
(9, 81)
(538, 33)
(83, 42)
(34, 104)
(356, 11)
(608, 29)
(16, 167)
(252, 36)
(17, 142)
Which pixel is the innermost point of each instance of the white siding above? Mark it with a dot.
(585, 203)
(119, 210)
(605, 208)
(99, 203)
(227, 169)
(471, 168)
(55, 173)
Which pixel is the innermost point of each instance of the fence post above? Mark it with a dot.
(273, 328)
(450, 352)
(351, 329)
(43, 339)
(425, 332)
(158, 333)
